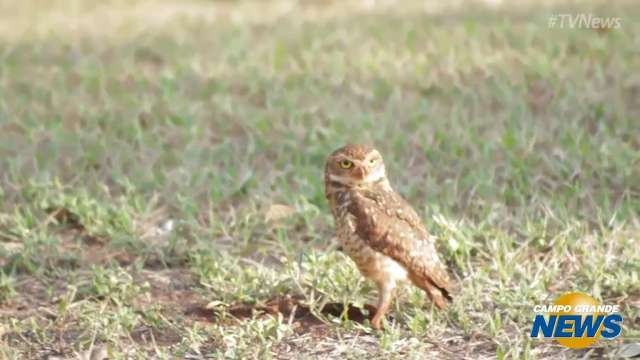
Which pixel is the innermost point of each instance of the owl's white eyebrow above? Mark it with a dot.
(353, 161)
(371, 155)
(343, 158)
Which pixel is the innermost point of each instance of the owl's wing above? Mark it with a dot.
(389, 225)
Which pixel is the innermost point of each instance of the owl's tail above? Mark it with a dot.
(439, 296)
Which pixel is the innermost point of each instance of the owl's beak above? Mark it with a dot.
(359, 173)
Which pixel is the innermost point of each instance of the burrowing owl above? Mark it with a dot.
(379, 230)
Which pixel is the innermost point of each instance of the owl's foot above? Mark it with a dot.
(376, 322)
(385, 297)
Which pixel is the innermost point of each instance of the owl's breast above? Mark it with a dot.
(371, 263)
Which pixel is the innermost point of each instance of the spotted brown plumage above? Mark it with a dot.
(379, 230)
(396, 231)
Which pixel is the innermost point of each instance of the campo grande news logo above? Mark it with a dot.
(576, 320)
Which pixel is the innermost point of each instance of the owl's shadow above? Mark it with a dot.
(296, 310)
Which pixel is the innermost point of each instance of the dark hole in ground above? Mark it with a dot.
(66, 217)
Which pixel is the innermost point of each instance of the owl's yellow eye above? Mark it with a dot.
(346, 164)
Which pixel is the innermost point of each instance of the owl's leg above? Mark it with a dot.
(385, 297)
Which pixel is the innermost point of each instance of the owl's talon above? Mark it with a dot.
(376, 323)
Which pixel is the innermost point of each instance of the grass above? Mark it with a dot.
(161, 192)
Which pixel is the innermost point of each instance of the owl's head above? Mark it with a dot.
(354, 166)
